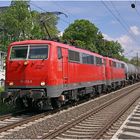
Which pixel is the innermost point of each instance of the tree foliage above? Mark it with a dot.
(135, 61)
(19, 23)
(86, 35)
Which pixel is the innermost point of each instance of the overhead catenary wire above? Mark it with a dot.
(66, 10)
(48, 12)
(118, 19)
(124, 22)
(117, 11)
(114, 15)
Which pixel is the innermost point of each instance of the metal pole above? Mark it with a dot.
(137, 59)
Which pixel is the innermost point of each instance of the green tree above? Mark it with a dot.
(19, 23)
(16, 20)
(110, 48)
(135, 61)
(84, 34)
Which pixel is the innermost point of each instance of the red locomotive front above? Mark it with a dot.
(28, 71)
(27, 65)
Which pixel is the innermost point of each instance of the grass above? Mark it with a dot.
(1, 89)
(5, 108)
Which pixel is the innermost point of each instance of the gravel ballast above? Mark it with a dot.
(44, 125)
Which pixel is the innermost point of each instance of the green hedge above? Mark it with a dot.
(5, 108)
(1, 89)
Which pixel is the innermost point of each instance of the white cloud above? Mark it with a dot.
(125, 41)
(129, 42)
(129, 45)
(135, 30)
(107, 37)
(60, 34)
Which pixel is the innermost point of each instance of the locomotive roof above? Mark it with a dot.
(53, 42)
(113, 59)
(61, 45)
(31, 42)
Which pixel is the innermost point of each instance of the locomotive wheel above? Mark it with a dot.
(55, 103)
(19, 103)
(98, 90)
(41, 105)
(109, 89)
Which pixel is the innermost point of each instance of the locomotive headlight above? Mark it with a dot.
(42, 83)
(26, 63)
(11, 84)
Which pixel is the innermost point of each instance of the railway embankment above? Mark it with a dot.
(5, 108)
(49, 124)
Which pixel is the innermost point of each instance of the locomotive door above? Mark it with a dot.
(111, 69)
(65, 65)
(104, 69)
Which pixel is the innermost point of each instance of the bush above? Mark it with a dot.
(5, 108)
(1, 89)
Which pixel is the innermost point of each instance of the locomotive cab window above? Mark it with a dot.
(19, 52)
(29, 52)
(38, 52)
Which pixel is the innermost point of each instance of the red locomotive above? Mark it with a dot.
(43, 74)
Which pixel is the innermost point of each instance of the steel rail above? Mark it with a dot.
(24, 121)
(35, 117)
(31, 118)
(109, 123)
(54, 133)
(7, 116)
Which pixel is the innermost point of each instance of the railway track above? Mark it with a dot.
(93, 124)
(10, 121)
(6, 116)
(130, 129)
(78, 127)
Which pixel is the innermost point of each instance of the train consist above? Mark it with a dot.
(46, 74)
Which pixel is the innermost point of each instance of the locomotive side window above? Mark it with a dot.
(74, 56)
(114, 64)
(38, 52)
(59, 53)
(84, 58)
(98, 61)
(77, 56)
(119, 65)
(19, 52)
(90, 59)
(87, 59)
(122, 66)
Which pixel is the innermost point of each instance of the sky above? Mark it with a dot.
(115, 19)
